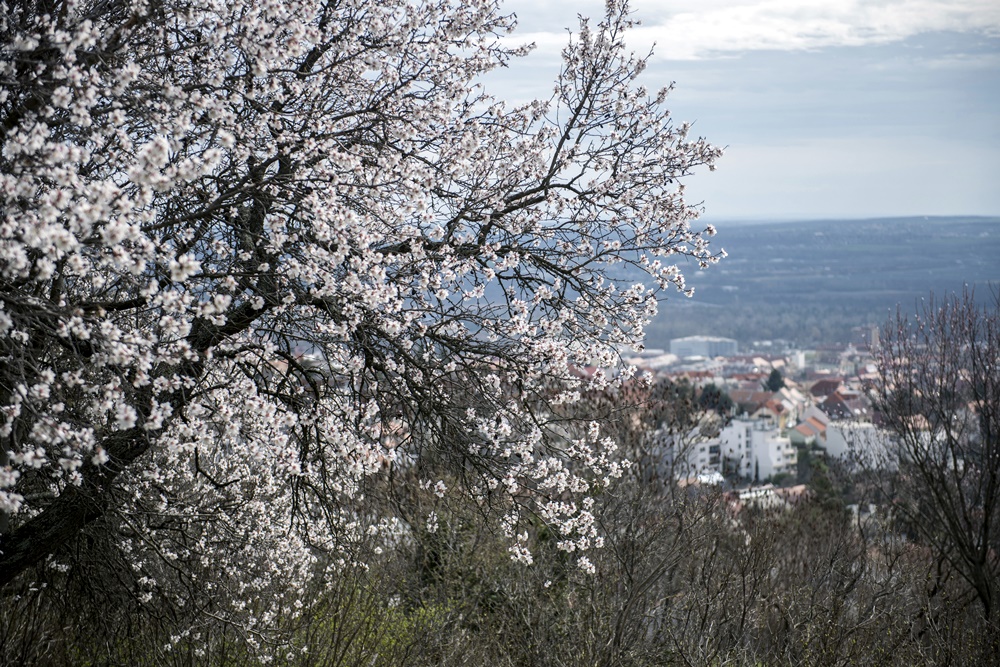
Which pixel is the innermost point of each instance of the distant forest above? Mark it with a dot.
(828, 281)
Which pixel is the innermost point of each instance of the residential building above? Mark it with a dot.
(855, 440)
(755, 449)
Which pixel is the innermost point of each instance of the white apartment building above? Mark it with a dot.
(863, 443)
(744, 447)
(848, 439)
(756, 448)
(698, 457)
(683, 456)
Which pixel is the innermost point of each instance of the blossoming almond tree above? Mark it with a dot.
(254, 253)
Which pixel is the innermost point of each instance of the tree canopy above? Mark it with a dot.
(937, 394)
(775, 381)
(254, 255)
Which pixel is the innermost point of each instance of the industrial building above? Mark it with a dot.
(703, 346)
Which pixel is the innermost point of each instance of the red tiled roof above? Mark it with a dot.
(826, 386)
(817, 424)
(805, 429)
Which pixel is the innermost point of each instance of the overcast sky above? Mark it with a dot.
(828, 108)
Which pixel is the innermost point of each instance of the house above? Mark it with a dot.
(750, 400)
(810, 432)
(845, 404)
(855, 440)
(794, 399)
(774, 411)
(767, 497)
(825, 386)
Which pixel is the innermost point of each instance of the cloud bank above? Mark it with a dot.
(700, 29)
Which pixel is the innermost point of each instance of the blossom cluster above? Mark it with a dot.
(255, 254)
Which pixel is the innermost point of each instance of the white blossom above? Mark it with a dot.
(259, 272)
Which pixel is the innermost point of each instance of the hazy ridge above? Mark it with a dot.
(815, 281)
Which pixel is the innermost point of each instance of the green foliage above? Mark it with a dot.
(358, 624)
(775, 381)
(715, 399)
(781, 479)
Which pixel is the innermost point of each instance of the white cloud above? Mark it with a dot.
(839, 132)
(721, 27)
(695, 29)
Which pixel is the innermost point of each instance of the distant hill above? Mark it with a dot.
(815, 281)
